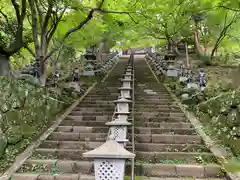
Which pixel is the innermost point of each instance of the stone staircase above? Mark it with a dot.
(167, 146)
(59, 157)
(166, 143)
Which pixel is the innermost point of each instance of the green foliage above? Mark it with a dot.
(25, 111)
(223, 115)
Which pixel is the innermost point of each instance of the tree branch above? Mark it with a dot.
(55, 25)
(7, 21)
(29, 50)
(74, 29)
(40, 14)
(34, 24)
(18, 42)
(17, 11)
(48, 15)
(231, 9)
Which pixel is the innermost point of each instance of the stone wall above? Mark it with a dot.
(25, 111)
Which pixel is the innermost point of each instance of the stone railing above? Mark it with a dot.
(110, 157)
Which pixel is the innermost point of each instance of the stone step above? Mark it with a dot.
(82, 145)
(93, 109)
(106, 94)
(50, 176)
(160, 119)
(97, 102)
(141, 138)
(170, 147)
(152, 114)
(142, 92)
(140, 130)
(178, 170)
(158, 109)
(157, 103)
(82, 123)
(60, 154)
(88, 117)
(101, 98)
(141, 169)
(172, 105)
(182, 157)
(170, 131)
(28, 176)
(169, 125)
(168, 139)
(74, 136)
(148, 114)
(86, 113)
(100, 101)
(153, 97)
(83, 129)
(143, 156)
(95, 106)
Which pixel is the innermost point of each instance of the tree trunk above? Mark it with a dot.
(176, 50)
(99, 54)
(196, 39)
(169, 46)
(43, 79)
(5, 67)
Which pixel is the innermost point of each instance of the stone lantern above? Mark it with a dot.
(172, 72)
(125, 92)
(122, 108)
(158, 56)
(109, 160)
(126, 82)
(127, 72)
(129, 66)
(118, 129)
(122, 105)
(127, 76)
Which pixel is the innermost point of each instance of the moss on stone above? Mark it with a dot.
(25, 112)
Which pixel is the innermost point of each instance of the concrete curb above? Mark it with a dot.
(21, 158)
(218, 152)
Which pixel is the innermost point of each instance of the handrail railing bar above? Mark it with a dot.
(133, 133)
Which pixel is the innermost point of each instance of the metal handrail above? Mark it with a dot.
(133, 133)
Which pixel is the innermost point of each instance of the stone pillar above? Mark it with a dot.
(109, 160)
